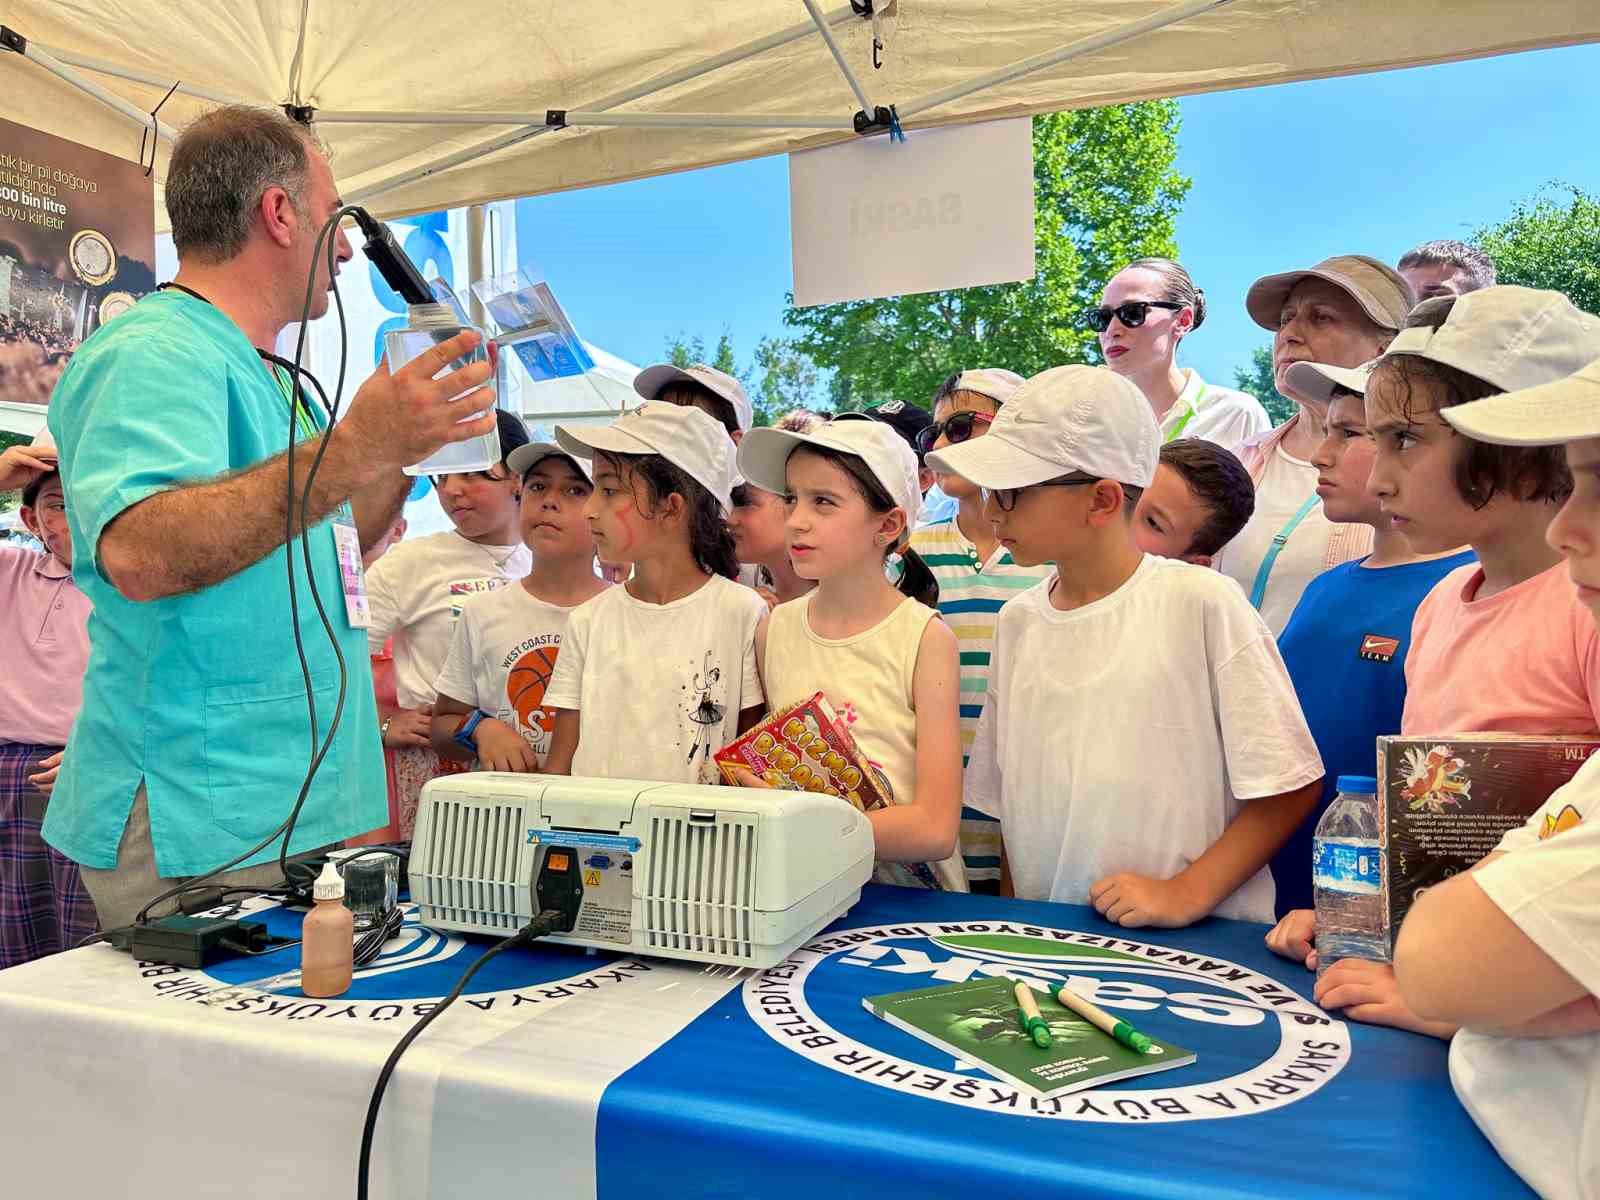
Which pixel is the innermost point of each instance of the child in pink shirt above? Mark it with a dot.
(1503, 645)
(44, 906)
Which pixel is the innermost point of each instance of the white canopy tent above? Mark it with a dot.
(433, 105)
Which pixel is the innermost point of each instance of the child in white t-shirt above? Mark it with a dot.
(490, 703)
(664, 665)
(1142, 745)
(885, 662)
(1510, 951)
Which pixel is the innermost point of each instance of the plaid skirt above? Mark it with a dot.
(44, 906)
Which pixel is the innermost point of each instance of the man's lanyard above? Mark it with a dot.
(294, 397)
(1177, 430)
(1280, 539)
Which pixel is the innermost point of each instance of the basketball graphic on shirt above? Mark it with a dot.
(525, 686)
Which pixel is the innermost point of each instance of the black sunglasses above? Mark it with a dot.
(1005, 499)
(957, 427)
(1131, 314)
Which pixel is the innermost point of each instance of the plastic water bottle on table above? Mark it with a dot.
(1347, 874)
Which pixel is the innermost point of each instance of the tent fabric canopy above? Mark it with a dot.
(527, 56)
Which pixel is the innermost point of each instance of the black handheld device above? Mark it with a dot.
(396, 267)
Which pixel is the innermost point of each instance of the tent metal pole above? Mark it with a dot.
(100, 67)
(1051, 58)
(838, 56)
(586, 117)
(660, 82)
(711, 120)
(37, 54)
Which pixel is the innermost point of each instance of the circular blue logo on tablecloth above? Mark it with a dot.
(1258, 1045)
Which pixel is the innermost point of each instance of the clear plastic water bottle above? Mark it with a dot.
(1347, 873)
(427, 326)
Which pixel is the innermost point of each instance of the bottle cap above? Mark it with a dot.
(329, 885)
(1360, 785)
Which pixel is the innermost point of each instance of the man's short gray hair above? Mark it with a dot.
(221, 167)
(1448, 253)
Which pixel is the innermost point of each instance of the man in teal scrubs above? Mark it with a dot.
(195, 735)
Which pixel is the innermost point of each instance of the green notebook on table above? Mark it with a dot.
(977, 1022)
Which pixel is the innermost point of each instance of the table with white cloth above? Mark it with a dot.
(563, 1073)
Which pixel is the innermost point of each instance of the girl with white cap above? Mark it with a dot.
(664, 665)
(883, 659)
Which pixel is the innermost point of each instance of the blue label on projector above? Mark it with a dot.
(563, 837)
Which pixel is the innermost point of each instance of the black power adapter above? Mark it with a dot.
(193, 941)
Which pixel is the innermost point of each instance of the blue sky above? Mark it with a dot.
(1283, 176)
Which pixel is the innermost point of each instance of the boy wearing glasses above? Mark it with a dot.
(1142, 745)
(416, 591)
(976, 575)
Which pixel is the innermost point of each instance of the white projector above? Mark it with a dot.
(716, 874)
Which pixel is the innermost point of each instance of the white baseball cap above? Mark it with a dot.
(1567, 410)
(1316, 381)
(1066, 419)
(764, 458)
(1511, 337)
(997, 383)
(687, 438)
(649, 382)
(529, 455)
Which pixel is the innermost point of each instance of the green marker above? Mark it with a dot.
(1028, 1014)
(1100, 1019)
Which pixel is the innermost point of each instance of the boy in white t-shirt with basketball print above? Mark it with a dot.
(491, 689)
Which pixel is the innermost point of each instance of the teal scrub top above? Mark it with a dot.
(199, 696)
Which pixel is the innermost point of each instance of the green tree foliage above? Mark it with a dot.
(682, 351)
(784, 379)
(1105, 192)
(778, 378)
(1257, 379)
(1550, 241)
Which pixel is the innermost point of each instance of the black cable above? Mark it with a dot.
(328, 229)
(545, 922)
(317, 755)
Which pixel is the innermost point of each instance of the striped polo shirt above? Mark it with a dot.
(971, 593)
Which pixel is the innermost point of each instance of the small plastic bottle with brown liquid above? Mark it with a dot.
(327, 945)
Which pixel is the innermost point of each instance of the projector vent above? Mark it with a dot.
(469, 865)
(700, 882)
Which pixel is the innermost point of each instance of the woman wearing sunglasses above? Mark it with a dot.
(1147, 309)
(976, 576)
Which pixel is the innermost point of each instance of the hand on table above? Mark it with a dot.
(49, 770)
(21, 465)
(409, 727)
(502, 748)
(1367, 992)
(1294, 937)
(1136, 900)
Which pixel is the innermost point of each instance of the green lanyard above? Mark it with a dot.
(302, 414)
(1279, 540)
(1177, 430)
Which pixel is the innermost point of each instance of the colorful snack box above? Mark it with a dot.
(807, 748)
